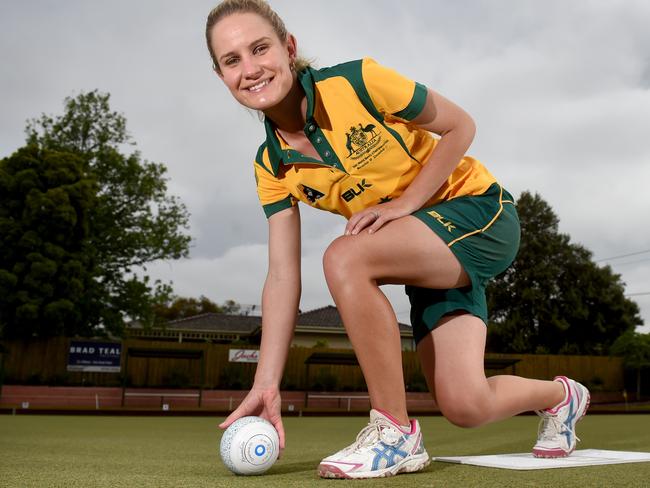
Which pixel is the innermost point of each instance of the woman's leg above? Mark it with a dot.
(452, 360)
(404, 251)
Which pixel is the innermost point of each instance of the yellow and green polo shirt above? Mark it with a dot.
(358, 120)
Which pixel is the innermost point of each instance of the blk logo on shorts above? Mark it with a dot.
(447, 224)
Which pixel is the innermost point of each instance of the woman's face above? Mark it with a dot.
(255, 65)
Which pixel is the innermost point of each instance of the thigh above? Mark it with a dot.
(452, 356)
(404, 251)
(483, 233)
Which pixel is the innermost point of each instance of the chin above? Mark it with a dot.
(255, 105)
(261, 103)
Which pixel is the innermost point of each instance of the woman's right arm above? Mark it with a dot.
(280, 300)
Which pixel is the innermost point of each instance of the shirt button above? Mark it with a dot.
(312, 128)
(318, 140)
(327, 154)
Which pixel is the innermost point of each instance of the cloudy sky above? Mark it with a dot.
(560, 92)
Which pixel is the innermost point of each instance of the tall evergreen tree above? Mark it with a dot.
(45, 270)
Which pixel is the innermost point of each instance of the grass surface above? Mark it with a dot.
(62, 451)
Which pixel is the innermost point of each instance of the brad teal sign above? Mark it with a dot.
(91, 356)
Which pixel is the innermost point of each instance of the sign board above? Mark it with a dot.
(97, 357)
(243, 355)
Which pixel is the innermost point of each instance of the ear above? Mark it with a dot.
(292, 47)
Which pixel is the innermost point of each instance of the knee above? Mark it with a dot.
(341, 261)
(464, 409)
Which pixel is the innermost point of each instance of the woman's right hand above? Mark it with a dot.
(261, 402)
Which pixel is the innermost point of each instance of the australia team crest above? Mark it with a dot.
(361, 139)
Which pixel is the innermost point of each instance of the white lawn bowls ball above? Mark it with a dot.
(250, 446)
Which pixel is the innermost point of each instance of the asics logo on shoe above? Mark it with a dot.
(568, 423)
(388, 453)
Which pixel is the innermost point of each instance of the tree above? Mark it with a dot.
(231, 307)
(181, 307)
(635, 348)
(554, 298)
(131, 220)
(45, 270)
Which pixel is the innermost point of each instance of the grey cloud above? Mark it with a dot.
(559, 92)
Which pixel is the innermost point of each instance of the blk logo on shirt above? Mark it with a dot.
(355, 191)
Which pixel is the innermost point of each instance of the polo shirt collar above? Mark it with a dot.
(277, 155)
(273, 145)
(306, 79)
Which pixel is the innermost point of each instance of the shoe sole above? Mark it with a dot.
(408, 465)
(559, 453)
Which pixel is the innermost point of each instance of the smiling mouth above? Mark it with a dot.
(259, 86)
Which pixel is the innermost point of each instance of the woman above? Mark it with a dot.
(355, 139)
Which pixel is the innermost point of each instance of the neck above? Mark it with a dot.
(290, 114)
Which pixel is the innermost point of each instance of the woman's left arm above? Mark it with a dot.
(456, 130)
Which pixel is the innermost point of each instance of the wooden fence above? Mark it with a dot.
(45, 362)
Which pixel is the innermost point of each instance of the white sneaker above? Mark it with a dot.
(556, 435)
(382, 448)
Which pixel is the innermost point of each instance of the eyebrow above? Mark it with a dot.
(257, 41)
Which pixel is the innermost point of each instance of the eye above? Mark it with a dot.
(231, 61)
(261, 49)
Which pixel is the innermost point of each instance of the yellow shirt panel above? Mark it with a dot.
(357, 121)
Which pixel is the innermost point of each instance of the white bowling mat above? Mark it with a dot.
(585, 457)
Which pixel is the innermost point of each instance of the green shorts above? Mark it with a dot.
(483, 233)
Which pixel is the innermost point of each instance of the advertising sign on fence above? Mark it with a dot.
(243, 355)
(97, 357)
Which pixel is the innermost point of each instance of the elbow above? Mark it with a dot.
(467, 128)
(471, 127)
(463, 129)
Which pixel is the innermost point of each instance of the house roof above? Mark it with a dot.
(217, 321)
(321, 318)
(328, 317)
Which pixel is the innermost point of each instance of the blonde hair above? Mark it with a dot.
(259, 7)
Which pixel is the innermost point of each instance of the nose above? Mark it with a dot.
(250, 67)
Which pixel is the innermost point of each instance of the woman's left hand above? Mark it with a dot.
(373, 218)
